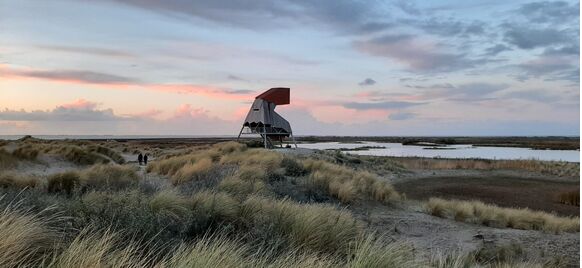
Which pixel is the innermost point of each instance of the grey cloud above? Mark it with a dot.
(565, 50)
(238, 91)
(408, 7)
(449, 27)
(546, 11)
(533, 95)
(494, 50)
(98, 51)
(407, 50)
(343, 15)
(526, 37)
(401, 116)
(235, 78)
(76, 75)
(557, 67)
(367, 82)
(386, 105)
(62, 114)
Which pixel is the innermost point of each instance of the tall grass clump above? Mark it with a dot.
(570, 198)
(369, 251)
(311, 227)
(63, 182)
(7, 160)
(110, 177)
(346, 184)
(27, 151)
(79, 155)
(18, 181)
(192, 171)
(491, 215)
(92, 248)
(24, 238)
(170, 203)
(112, 154)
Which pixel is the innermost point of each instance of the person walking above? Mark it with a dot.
(140, 158)
(145, 159)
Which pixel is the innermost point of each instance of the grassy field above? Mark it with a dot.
(222, 205)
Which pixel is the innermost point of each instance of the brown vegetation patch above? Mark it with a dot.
(506, 191)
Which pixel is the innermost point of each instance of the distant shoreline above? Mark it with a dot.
(534, 142)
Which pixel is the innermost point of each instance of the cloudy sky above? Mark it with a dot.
(181, 67)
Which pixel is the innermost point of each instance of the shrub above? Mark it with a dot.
(18, 181)
(491, 215)
(60, 182)
(112, 177)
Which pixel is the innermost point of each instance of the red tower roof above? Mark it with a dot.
(276, 95)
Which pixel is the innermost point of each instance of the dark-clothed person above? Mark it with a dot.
(145, 159)
(140, 158)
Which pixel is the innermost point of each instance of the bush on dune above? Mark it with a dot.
(63, 182)
(7, 160)
(113, 155)
(27, 151)
(346, 184)
(491, 215)
(313, 227)
(192, 171)
(570, 198)
(18, 181)
(108, 176)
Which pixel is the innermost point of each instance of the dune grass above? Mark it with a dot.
(347, 184)
(25, 238)
(7, 160)
(109, 176)
(18, 181)
(491, 215)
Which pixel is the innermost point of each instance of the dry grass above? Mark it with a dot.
(311, 227)
(27, 151)
(242, 188)
(170, 203)
(63, 182)
(7, 160)
(192, 171)
(347, 184)
(546, 167)
(369, 251)
(109, 176)
(18, 181)
(491, 215)
(113, 155)
(24, 238)
(90, 249)
(215, 205)
(570, 198)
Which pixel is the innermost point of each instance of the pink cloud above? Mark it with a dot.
(80, 104)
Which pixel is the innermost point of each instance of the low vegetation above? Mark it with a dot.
(566, 169)
(225, 205)
(491, 215)
(570, 198)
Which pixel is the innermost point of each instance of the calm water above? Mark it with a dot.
(454, 151)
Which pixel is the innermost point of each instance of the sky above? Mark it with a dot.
(182, 67)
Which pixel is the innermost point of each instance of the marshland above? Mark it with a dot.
(216, 203)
